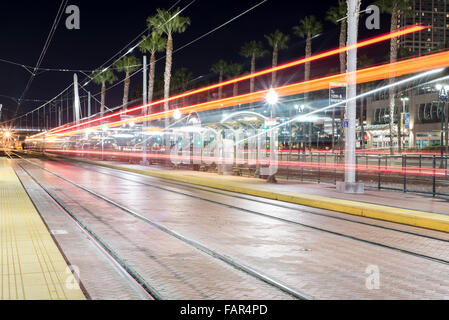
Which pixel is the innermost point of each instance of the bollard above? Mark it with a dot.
(335, 169)
(378, 173)
(319, 169)
(404, 169)
(434, 188)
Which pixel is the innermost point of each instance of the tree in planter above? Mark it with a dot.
(152, 44)
(233, 71)
(169, 23)
(363, 62)
(220, 68)
(394, 8)
(181, 81)
(253, 50)
(308, 28)
(278, 41)
(337, 16)
(127, 65)
(103, 77)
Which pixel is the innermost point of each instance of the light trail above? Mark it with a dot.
(398, 33)
(433, 62)
(409, 171)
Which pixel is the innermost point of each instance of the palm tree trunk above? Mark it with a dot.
(151, 77)
(126, 91)
(393, 58)
(274, 64)
(308, 54)
(220, 89)
(236, 89)
(343, 38)
(253, 69)
(306, 78)
(103, 97)
(167, 75)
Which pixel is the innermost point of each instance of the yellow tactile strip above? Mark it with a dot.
(31, 265)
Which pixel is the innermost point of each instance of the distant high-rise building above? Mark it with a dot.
(434, 13)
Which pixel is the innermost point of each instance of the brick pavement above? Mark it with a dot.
(321, 264)
(175, 269)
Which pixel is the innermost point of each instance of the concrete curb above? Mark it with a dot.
(420, 219)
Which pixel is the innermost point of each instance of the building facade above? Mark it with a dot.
(434, 13)
(420, 111)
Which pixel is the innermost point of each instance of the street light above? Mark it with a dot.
(272, 98)
(177, 114)
(443, 95)
(401, 128)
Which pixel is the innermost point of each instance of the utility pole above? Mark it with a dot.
(145, 110)
(350, 185)
(59, 116)
(89, 105)
(76, 104)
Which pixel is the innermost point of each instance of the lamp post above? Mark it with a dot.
(443, 95)
(350, 185)
(401, 128)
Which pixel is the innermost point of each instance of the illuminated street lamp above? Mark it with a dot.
(177, 114)
(401, 127)
(443, 95)
(272, 98)
(7, 134)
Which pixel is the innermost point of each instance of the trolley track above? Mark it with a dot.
(199, 246)
(416, 254)
(248, 198)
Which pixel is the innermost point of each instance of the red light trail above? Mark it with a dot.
(388, 36)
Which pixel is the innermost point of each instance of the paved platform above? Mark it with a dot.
(32, 266)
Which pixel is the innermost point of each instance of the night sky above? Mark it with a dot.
(107, 26)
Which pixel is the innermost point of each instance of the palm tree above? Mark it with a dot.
(394, 8)
(308, 28)
(181, 81)
(335, 14)
(169, 23)
(127, 65)
(253, 50)
(152, 44)
(220, 68)
(278, 41)
(363, 62)
(101, 77)
(232, 71)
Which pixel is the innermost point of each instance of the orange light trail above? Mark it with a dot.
(409, 66)
(388, 36)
